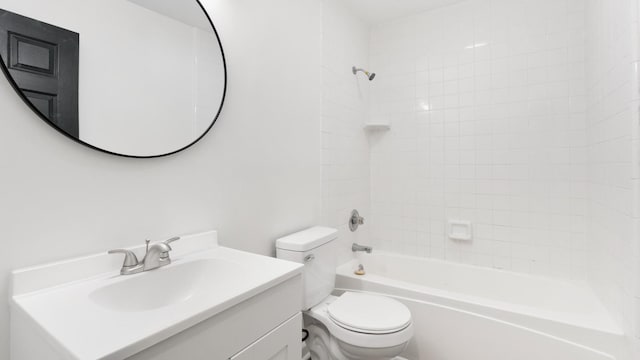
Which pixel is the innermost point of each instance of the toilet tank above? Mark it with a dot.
(316, 249)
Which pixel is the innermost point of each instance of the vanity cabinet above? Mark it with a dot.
(265, 327)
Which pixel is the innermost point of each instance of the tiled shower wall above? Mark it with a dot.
(345, 99)
(486, 101)
(612, 128)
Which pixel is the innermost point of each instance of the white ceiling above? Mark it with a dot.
(188, 13)
(377, 11)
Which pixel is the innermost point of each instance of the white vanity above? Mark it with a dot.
(210, 303)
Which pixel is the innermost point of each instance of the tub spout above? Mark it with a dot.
(355, 247)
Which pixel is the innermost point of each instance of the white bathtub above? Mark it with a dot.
(464, 312)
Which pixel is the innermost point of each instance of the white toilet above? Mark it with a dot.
(349, 326)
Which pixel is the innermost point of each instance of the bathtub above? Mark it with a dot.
(464, 312)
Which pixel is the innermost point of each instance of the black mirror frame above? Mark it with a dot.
(15, 86)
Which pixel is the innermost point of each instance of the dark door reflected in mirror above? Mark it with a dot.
(140, 78)
(43, 60)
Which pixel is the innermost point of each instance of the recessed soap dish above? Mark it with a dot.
(377, 127)
(460, 230)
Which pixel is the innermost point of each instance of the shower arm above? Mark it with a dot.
(370, 75)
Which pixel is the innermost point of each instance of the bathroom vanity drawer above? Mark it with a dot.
(242, 326)
(282, 343)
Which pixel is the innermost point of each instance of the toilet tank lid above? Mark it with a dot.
(307, 239)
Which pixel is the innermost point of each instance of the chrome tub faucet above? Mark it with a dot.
(355, 247)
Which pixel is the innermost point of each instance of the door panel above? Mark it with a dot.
(32, 55)
(45, 103)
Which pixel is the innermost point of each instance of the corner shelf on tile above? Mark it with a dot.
(377, 127)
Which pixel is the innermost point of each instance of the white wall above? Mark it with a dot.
(486, 103)
(345, 104)
(208, 72)
(614, 169)
(255, 177)
(149, 110)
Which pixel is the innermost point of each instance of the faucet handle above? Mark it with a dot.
(355, 220)
(166, 247)
(130, 258)
(176, 238)
(167, 242)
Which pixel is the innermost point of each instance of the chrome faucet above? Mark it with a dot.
(355, 220)
(156, 256)
(355, 247)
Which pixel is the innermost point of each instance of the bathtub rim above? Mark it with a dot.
(612, 355)
(607, 340)
(612, 327)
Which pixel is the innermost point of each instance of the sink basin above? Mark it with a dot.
(167, 286)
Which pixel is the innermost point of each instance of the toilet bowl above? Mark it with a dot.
(351, 326)
(358, 326)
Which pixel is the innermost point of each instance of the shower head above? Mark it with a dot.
(370, 76)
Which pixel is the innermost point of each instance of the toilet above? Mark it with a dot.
(349, 326)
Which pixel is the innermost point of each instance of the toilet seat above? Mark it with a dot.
(369, 314)
(359, 338)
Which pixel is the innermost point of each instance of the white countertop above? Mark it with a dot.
(80, 328)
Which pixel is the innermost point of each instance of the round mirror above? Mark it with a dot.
(137, 78)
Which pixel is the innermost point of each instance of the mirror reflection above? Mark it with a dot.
(137, 78)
